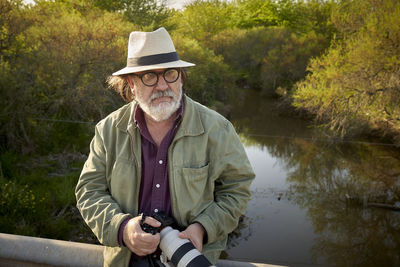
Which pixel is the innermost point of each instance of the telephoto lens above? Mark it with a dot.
(181, 252)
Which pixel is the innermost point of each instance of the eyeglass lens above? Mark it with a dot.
(151, 78)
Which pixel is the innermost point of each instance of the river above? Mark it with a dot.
(315, 201)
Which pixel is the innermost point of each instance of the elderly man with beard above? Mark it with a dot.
(161, 152)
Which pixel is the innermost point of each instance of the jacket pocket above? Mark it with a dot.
(194, 189)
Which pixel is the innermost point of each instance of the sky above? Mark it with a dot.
(177, 4)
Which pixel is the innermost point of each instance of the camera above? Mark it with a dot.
(181, 252)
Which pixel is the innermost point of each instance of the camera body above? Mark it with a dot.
(181, 252)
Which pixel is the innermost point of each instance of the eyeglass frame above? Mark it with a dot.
(140, 76)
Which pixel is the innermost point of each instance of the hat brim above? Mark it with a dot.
(173, 64)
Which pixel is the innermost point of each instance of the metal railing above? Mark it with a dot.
(24, 251)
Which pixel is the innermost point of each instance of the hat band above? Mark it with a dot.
(152, 60)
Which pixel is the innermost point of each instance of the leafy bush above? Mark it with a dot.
(210, 81)
(148, 14)
(19, 206)
(39, 199)
(56, 70)
(200, 20)
(268, 58)
(355, 87)
(255, 13)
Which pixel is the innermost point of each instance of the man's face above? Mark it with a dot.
(160, 100)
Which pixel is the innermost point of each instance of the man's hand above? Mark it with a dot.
(138, 241)
(195, 233)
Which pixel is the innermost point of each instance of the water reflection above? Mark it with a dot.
(314, 202)
(336, 185)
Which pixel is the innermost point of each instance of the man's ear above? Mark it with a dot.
(130, 83)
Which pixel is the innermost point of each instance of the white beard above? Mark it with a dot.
(164, 110)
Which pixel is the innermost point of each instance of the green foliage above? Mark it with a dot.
(307, 16)
(200, 20)
(268, 58)
(252, 13)
(72, 52)
(58, 72)
(18, 206)
(349, 16)
(7, 162)
(210, 81)
(355, 86)
(39, 198)
(12, 23)
(148, 14)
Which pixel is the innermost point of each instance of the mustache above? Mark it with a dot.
(158, 94)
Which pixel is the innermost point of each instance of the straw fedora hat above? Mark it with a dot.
(151, 50)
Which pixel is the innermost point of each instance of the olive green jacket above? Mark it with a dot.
(209, 178)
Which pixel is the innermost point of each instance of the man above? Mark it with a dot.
(161, 152)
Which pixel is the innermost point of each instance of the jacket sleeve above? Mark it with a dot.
(234, 175)
(94, 201)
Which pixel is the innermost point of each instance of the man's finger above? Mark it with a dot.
(183, 235)
(144, 252)
(148, 238)
(152, 222)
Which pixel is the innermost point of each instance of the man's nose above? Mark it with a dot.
(161, 84)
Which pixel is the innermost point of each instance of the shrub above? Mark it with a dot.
(268, 58)
(355, 87)
(56, 69)
(210, 80)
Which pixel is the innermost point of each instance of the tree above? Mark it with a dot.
(148, 14)
(58, 73)
(200, 20)
(267, 58)
(355, 87)
(253, 13)
(13, 22)
(210, 82)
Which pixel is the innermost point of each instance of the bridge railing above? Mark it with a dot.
(25, 251)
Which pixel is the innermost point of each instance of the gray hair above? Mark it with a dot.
(121, 86)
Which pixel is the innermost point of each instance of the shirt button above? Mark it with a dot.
(160, 161)
(155, 210)
(158, 185)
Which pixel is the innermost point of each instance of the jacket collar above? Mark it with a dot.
(191, 122)
(125, 120)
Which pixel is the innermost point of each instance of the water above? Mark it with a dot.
(314, 200)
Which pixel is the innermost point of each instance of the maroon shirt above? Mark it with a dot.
(154, 194)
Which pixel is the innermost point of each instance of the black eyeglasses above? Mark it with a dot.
(151, 78)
